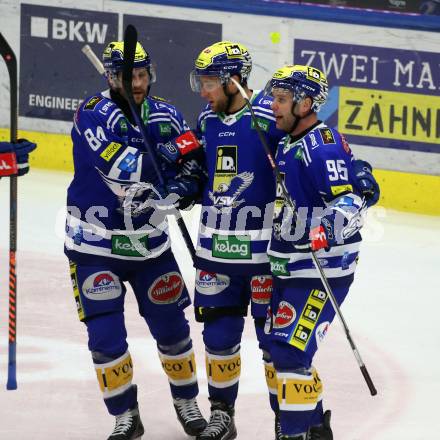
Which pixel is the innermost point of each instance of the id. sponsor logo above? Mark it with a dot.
(166, 289)
(286, 314)
(231, 247)
(261, 289)
(209, 283)
(102, 286)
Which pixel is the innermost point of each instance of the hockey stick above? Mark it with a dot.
(88, 52)
(130, 41)
(318, 266)
(11, 63)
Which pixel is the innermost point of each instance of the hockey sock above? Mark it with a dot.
(114, 378)
(179, 364)
(223, 371)
(298, 395)
(271, 381)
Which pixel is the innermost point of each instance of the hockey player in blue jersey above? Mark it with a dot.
(233, 268)
(318, 169)
(114, 234)
(232, 265)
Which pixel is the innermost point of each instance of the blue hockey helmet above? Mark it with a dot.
(223, 59)
(113, 59)
(302, 82)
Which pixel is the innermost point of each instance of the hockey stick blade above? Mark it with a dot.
(130, 42)
(10, 59)
(315, 259)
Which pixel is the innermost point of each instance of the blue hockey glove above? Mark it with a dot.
(21, 149)
(323, 236)
(343, 218)
(366, 182)
(186, 188)
(179, 149)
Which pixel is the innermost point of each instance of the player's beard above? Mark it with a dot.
(221, 105)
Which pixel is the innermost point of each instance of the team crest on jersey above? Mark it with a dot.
(226, 196)
(228, 184)
(93, 102)
(327, 136)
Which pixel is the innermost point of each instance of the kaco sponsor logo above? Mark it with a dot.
(166, 289)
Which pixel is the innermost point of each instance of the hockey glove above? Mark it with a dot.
(179, 149)
(323, 236)
(366, 182)
(186, 189)
(14, 157)
(342, 219)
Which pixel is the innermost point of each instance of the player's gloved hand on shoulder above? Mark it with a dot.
(21, 150)
(179, 149)
(366, 182)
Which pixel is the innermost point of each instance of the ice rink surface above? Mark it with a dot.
(391, 311)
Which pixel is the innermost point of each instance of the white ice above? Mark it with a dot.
(391, 312)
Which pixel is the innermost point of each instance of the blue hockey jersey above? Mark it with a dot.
(109, 157)
(237, 203)
(318, 174)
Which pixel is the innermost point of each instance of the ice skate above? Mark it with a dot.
(128, 426)
(189, 416)
(221, 424)
(322, 432)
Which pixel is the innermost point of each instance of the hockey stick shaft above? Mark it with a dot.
(88, 52)
(11, 62)
(316, 262)
(130, 41)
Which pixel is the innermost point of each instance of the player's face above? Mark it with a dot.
(211, 89)
(282, 109)
(139, 85)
